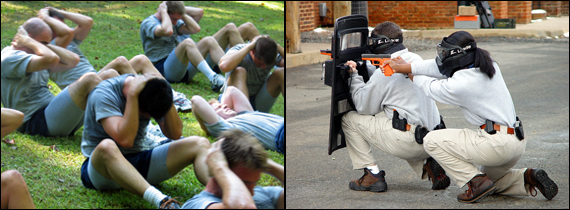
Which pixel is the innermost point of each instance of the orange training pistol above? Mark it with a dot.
(326, 52)
(378, 60)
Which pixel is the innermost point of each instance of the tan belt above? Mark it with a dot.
(497, 127)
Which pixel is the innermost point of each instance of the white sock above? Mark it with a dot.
(206, 70)
(374, 169)
(153, 195)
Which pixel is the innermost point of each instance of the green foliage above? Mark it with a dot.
(53, 177)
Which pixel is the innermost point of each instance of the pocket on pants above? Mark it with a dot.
(456, 149)
(368, 125)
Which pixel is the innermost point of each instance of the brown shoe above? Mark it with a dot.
(370, 182)
(436, 174)
(536, 177)
(479, 187)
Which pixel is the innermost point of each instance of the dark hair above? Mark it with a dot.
(175, 7)
(266, 50)
(156, 98)
(389, 29)
(483, 58)
(242, 148)
(54, 13)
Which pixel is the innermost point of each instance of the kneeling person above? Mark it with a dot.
(117, 113)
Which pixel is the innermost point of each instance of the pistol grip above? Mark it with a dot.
(388, 70)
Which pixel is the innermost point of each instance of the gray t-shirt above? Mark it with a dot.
(264, 198)
(26, 92)
(255, 76)
(107, 100)
(263, 126)
(157, 48)
(65, 78)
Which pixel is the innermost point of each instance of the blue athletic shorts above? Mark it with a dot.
(37, 124)
(154, 159)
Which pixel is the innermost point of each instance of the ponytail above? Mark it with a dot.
(484, 61)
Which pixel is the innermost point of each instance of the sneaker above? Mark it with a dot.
(536, 177)
(370, 182)
(181, 103)
(436, 174)
(169, 203)
(217, 82)
(479, 187)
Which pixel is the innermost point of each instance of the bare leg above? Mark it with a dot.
(80, 89)
(121, 65)
(248, 31)
(229, 34)
(15, 194)
(111, 164)
(203, 112)
(209, 45)
(276, 83)
(141, 64)
(187, 51)
(11, 120)
(107, 73)
(238, 78)
(236, 100)
(191, 150)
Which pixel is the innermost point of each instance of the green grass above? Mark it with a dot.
(53, 177)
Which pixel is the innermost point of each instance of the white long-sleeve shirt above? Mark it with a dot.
(382, 93)
(479, 97)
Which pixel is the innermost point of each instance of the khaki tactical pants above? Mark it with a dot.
(457, 150)
(361, 131)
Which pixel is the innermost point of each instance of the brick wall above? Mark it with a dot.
(564, 8)
(500, 9)
(413, 14)
(521, 10)
(552, 8)
(417, 14)
(306, 13)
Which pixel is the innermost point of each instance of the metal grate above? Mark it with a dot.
(359, 7)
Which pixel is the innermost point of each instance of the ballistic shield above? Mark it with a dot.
(349, 42)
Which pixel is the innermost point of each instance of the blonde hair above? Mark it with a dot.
(242, 148)
(175, 7)
(212, 100)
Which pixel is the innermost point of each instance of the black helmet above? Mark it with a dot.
(451, 58)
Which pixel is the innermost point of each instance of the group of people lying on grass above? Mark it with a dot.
(116, 103)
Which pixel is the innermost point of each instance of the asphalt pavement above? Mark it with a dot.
(536, 75)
